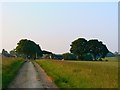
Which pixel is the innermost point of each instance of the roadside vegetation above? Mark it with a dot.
(81, 74)
(10, 67)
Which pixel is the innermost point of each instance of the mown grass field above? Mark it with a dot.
(82, 74)
(10, 66)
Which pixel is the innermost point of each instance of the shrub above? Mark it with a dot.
(69, 56)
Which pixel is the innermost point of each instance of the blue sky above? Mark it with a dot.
(55, 25)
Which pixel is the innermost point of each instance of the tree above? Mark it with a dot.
(78, 47)
(28, 48)
(110, 54)
(92, 49)
(69, 56)
(117, 54)
(5, 53)
(103, 51)
(13, 53)
(97, 49)
(46, 52)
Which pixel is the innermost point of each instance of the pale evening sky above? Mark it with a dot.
(55, 25)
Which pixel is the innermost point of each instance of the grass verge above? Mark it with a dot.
(10, 67)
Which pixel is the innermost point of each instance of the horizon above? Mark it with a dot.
(51, 51)
(54, 26)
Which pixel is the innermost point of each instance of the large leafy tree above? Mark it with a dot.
(97, 49)
(81, 47)
(28, 48)
(78, 47)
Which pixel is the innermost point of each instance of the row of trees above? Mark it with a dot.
(81, 49)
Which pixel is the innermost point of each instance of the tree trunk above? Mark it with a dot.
(94, 57)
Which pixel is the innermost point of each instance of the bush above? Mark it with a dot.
(69, 56)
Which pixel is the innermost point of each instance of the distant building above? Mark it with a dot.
(47, 54)
(50, 55)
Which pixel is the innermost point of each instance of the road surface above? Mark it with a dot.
(30, 76)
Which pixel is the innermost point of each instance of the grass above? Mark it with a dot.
(10, 67)
(82, 74)
(111, 59)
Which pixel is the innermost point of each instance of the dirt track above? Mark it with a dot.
(31, 76)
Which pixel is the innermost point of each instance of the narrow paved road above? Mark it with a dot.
(27, 77)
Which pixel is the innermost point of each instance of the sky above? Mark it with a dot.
(54, 25)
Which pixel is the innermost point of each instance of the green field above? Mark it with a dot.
(10, 66)
(82, 74)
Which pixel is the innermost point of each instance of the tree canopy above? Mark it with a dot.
(78, 47)
(96, 48)
(5, 53)
(81, 47)
(28, 48)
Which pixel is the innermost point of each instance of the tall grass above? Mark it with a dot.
(82, 74)
(10, 66)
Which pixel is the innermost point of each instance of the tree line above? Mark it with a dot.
(81, 49)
